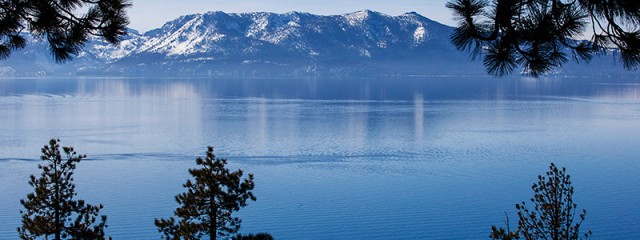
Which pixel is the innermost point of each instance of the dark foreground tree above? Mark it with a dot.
(65, 24)
(504, 234)
(51, 211)
(259, 236)
(553, 216)
(206, 207)
(537, 34)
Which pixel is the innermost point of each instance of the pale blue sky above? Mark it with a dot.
(150, 14)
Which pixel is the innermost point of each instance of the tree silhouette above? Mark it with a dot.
(553, 215)
(537, 34)
(258, 236)
(66, 24)
(504, 234)
(51, 210)
(206, 207)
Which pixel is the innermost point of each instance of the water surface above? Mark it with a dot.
(394, 158)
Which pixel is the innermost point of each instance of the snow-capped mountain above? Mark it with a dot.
(264, 44)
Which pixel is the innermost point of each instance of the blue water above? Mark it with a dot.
(394, 158)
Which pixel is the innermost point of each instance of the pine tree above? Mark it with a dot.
(51, 211)
(258, 236)
(553, 215)
(65, 24)
(504, 234)
(206, 207)
(537, 35)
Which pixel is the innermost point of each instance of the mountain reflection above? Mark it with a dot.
(394, 89)
(418, 116)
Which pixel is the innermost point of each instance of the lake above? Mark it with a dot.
(394, 158)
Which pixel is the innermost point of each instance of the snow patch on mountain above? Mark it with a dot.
(356, 18)
(419, 35)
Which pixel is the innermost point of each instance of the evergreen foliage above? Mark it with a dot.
(51, 212)
(504, 234)
(66, 24)
(537, 35)
(207, 205)
(553, 215)
(258, 236)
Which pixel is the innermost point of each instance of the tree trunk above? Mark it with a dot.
(56, 202)
(213, 219)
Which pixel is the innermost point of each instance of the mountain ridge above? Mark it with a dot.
(215, 43)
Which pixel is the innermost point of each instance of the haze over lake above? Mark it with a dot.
(390, 158)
